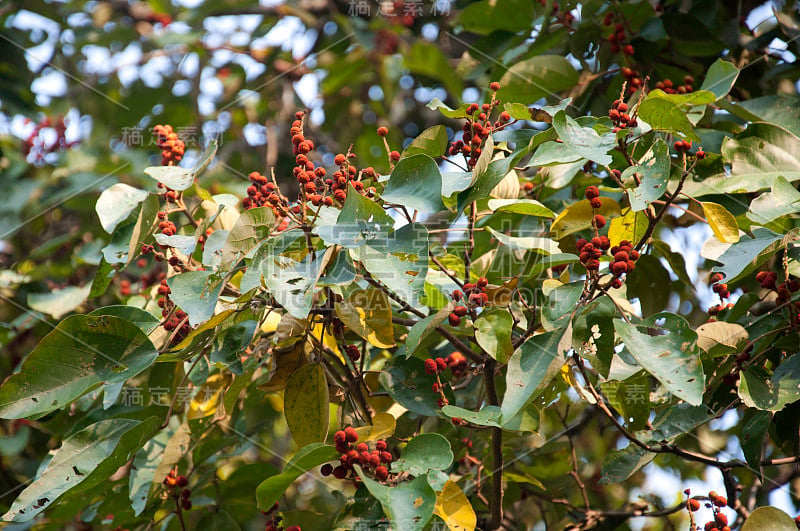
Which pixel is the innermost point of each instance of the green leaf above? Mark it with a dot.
(584, 141)
(769, 519)
(428, 451)
(619, 465)
(196, 293)
(526, 243)
(253, 226)
(81, 353)
(783, 199)
(653, 171)
(558, 153)
(423, 328)
(399, 260)
(144, 227)
(664, 115)
(484, 182)
(486, 416)
(184, 244)
(751, 438)
(757, 156)
(416, 183)
(675, 260)
(493, 333)
(528, 207)
(408, 505)
(593, 333)
(758, 390)
(145, 320)
(671, 357)
(722, 222)
(778, 109)
(116, 203)
(432, 142)
(535, 78)
(742, 258)
(368, 313)
(59, 302)
(720, 78)
(410, 386)
(230, 343)
(578, 216)
(530, 369)
(143, 470)
(308, 457)
(86, 458)
(358, 208)
(437, 104)
(174, 177)
(306, 404)
(292, 283)
(697, 97)
(650, 283)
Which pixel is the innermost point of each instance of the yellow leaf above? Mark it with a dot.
(327, 339)
(208, 325)
(283, 363)
(721, 222)
(368, 313)
(631, 226)
(206, 401)
(383, 425)
(578, 216)
(305, 404)
(271, 322)
(454, 508)
(501, 295)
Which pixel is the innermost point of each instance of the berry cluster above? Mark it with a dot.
(275, 522)
(475, 298)
(434, 367)
(618, 38)
(721, 290)
(682, 146)
(478, 127)
(768, 280)
(619, 115)
(592, 193)
(172, 148)
(669, 87)
(715, 503)
(589, 252)
(377, 461)
(178, 490)
(262, 192)
(174, 318)
(347, 173)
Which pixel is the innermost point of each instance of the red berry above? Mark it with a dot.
(596, 203)
(494, 86)
(394, 156)
(592, 192)
(454, 320)
(381, 446)
(599, 221)
(430, 365)
(383, 131)
(352, 435)
(326, 470)
(441, 364)
(381, 472)
(460, 311)
(693, 505)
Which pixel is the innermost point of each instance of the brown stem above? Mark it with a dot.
(496, 505)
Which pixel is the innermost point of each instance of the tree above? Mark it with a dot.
(390, 308)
